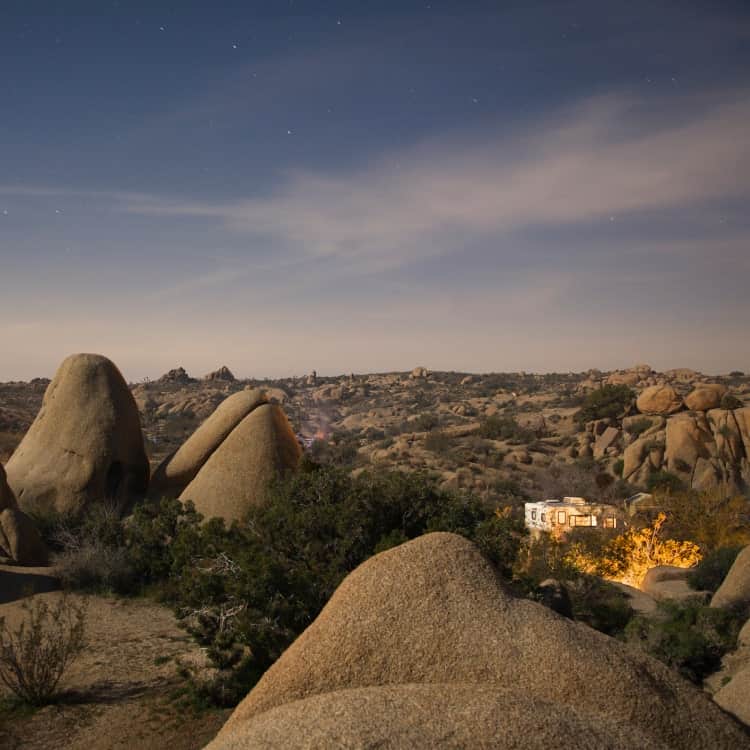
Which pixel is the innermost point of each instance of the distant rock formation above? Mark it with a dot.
(419, 373)
(176, 472)
(237, 473)
(705, 396)
(84, 446)
(178, 375)
(421, 646)
(223, 374)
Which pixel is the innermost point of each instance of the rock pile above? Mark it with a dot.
(84, 446)
(178, 375)
(422, 647)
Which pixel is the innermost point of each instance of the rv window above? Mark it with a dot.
(544, 517)
(582, 520)
(533, 515)
(561, 516)
(610, 522)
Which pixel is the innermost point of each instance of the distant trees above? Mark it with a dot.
(610, 401)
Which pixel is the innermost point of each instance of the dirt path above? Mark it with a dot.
(121, 692)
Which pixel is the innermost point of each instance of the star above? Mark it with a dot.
(288, 132)
(475, 100)
(5, 212)
(234, 45)
(162, 28)
(338, 22)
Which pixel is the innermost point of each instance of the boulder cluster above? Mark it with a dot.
(86, 447)
(421, 646)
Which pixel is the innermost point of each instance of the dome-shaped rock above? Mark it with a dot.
(238, 472)
(178, 470)
(85, 444)
(659, 399)
(222, 374)
(433, 612)
(424, 717)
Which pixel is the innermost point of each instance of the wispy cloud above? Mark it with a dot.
(603, 159)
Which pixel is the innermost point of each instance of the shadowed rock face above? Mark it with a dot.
(735, 588)
(84, 446)
(179, 469)
(415, 625)
(237, 474)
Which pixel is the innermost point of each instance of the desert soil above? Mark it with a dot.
(123, 692)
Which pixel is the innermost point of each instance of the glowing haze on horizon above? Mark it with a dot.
(364, 187)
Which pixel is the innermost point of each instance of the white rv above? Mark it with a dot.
(560, 516)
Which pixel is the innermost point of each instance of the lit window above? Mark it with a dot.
(561, 516)
(610, 522)
(582, 520)
(533, 515)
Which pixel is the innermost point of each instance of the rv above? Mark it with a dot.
(560, 516)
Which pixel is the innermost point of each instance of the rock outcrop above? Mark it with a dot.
(237, 473)
(419, 373)
(735, 588)
(176, 472)
(178, 375)
(659, 400)
(422, 647)
(20, 541)
(733, 681)
(84, 446)
(223, 374)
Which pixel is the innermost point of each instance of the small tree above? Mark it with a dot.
(609, 401)
(34, 657)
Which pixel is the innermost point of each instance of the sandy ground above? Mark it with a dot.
(121, 691)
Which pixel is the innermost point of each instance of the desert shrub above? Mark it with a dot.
(610, 401)
(599, 604)
(617, 467)
(437, 442)
(687, 636)
(34, 656)
(737, 374)
(639, 426)
(664, 481)
(709, 518)
(711, 571)
(90, 551)
(628, 557)
(729, 401)
(426, 422)
(504, 428)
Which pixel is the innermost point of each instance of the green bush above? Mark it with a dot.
(639, 426)
(247, 591)
(664, 481)
(617, 467)
(687, 636)
(610, 401)
(711, 571)
(731, 402)
(504, 428)
(437, 442)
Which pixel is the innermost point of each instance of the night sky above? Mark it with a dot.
(369, 186)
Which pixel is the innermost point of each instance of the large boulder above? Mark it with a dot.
(668, 582)
(659, 399)
(735, 589)
(432, 716)
(688, 439)
(84, 446)
(237, 474)
(178, 470)
(732, 683)
(433, 613)
(705, 396)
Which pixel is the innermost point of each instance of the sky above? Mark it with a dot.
(369, 186)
